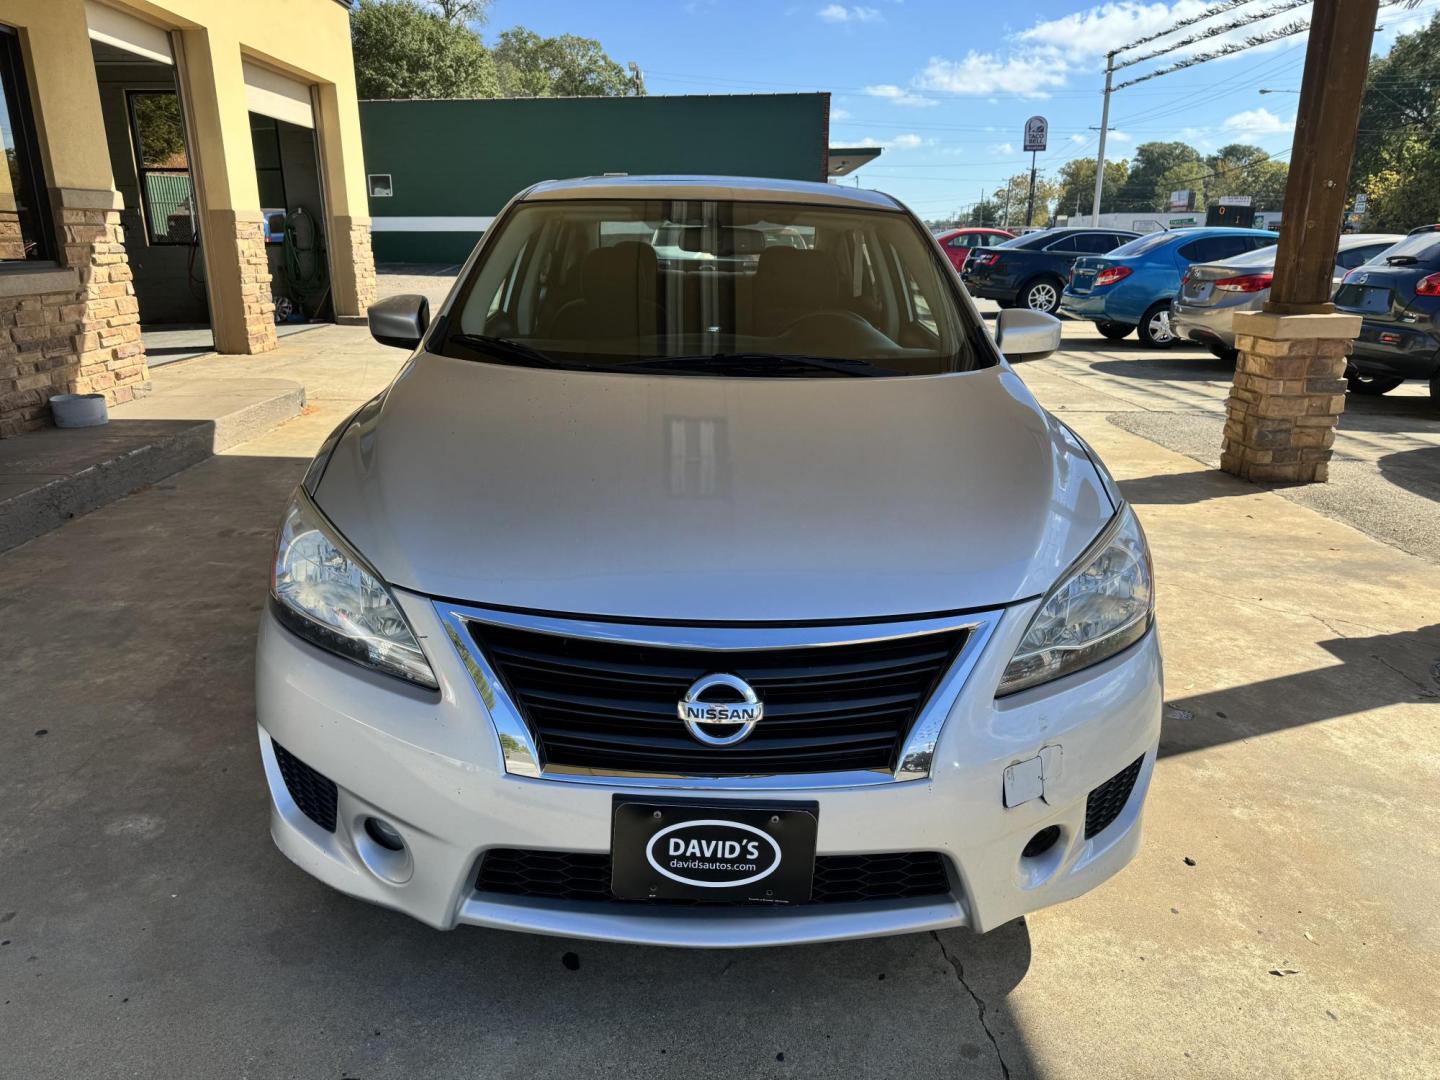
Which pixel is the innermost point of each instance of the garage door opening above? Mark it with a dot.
(287, 171)
(150, 161)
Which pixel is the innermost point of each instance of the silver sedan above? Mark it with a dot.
(1211, 294)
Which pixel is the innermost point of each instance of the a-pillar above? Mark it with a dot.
(232, 231)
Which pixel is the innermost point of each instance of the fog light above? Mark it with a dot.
(1041, 842)
(388, 838)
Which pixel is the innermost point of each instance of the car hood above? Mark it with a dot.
(714, 499)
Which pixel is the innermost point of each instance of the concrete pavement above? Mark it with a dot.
(150, 929)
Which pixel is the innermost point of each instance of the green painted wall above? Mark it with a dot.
(467, 158)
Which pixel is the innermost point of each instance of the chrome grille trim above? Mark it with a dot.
(521, 755)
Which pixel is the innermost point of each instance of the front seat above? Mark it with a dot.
(617, 296)
(791, 284)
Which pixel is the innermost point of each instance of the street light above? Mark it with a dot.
(1279, 91)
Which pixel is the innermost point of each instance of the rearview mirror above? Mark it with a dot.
(399, 320)
(1027, 335)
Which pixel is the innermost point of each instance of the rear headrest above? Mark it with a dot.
(625, 272)
(791, 277)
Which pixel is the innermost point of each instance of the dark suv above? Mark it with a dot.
(1031, 270)
(1398, 295)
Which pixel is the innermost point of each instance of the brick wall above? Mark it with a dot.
(77, 333)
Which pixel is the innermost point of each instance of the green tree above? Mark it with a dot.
(985, 212)
(1013, 197)
(1241, 169)
(162, 137)
(565, 66)
(463, 12)
(1397, 153)
(406, 50)
(1075, 194)
(1150, 170)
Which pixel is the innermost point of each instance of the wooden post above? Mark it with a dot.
(1336, 60)
(1289, 388)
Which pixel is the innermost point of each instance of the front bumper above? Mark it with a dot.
(431, 765)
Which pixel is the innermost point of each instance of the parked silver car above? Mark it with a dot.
(765, 585)
(1211, 294)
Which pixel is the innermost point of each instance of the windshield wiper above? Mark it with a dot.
(765, 362)
(509, 349)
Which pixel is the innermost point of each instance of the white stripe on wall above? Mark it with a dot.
(430, 224)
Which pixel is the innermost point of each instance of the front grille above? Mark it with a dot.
(838, 879)
(314, 794)
(611, 707)
(1106, 801)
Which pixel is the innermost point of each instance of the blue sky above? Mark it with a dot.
(945, 87)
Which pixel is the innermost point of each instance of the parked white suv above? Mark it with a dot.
(713, 602)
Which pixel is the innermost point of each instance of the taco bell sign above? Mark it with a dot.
(1037, 130)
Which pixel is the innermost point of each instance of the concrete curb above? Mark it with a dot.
(33, 513)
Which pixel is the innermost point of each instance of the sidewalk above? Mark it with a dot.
(1298, 774)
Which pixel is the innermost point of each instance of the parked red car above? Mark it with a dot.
(958, 242)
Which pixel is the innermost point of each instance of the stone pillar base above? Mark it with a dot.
(1289, 391)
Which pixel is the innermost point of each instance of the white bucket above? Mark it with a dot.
(79, 410)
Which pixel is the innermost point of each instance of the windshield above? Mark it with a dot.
(712, 287)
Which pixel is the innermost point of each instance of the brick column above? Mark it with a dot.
(111, 356)
(1288, 394)
(259, 315)
(363, 258)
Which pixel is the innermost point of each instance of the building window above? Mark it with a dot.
(26, 229)
(163, 165)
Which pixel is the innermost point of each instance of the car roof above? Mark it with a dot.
(734, 188)
(1360, 239)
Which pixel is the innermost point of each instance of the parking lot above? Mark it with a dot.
(1281, 918)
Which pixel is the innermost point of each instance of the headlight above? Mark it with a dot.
(325, 593)
(1103, 604)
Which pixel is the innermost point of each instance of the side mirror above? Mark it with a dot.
(1027, 335)
(399, 320)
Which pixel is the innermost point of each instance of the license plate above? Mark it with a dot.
(664, 849)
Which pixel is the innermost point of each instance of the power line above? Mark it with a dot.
(1208, 13)
(1215, 31)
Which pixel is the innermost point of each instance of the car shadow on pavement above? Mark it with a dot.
(1375, 671)
(1417, 471)
(1176, 367)
(1176, 489)
(1391, 414)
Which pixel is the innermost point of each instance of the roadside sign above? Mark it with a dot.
(1361, 202)
(1182, 200)
(1037, 131)
(1234, 200)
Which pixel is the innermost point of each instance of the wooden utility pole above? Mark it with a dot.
(1338, 56)
(1289, 388)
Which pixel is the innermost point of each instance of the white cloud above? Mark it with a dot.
(1119, 136)
(1004, 149)
(839, 13)
(1078, 139)
(1097, 30)
(982, 74)
(840, 114)
(1255, 123)
(897, 95)
(908, 141)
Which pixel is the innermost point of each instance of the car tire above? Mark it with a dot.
(1114, 331)
(1005, 304)
(1435, 390)
(1042, 294)
(1374, 385)
(1220, 352)
(1154, 326)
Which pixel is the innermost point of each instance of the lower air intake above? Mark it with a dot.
(839, 879)
(1106, 801)
(313, 793)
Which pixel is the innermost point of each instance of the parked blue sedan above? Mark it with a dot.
(1133, 285)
